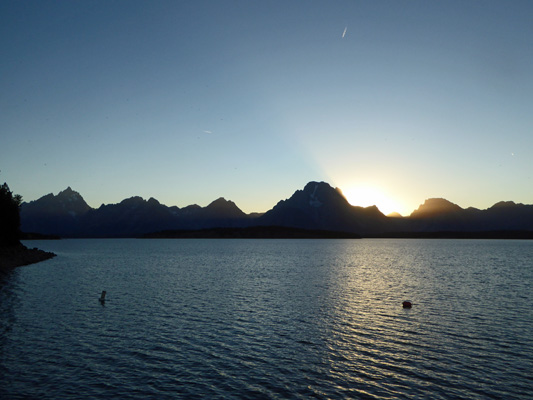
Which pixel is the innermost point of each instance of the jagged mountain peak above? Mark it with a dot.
(68, 200)
(320, 206)
(317, 206)
(48, 213)
(318, 194)
(71, 196)
(67, 191)
(320, 187)
(313, 185)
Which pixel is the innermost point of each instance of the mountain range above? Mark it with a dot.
(318, 206)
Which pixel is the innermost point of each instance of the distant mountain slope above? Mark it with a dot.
(130, 217)
(317, 206)
(68, 215)
(441, 215)
(220, 213)
(56, 215)
(435, 208)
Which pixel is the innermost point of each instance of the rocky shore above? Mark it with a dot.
(18, 255)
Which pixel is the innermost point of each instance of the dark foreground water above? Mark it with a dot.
(270, 319)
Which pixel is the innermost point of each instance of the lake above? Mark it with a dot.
(273, 319)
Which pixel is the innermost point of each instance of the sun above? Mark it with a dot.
(365, 196)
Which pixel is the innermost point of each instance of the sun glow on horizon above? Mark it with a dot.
(366, 196)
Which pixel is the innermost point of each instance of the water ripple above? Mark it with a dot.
(270, 319)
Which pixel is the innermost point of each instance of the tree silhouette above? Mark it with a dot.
(9, 216)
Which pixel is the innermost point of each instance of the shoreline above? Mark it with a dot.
(252, 232)
(19, 255)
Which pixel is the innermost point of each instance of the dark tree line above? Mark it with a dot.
(9, 216)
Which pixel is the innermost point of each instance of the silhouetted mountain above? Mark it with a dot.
(435, 208)
(507, 216)
(130, 217)
(135, 216)
(317, 207)
(436, 215)
(439, 215)
(68, 215)
(222, 208)
(219, 213)
(55, 215)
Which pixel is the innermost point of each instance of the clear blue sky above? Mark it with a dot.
(187, 101)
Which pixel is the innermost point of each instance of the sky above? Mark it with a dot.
(393, 102)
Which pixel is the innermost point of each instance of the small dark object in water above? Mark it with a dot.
(407, 304)
(102, 297)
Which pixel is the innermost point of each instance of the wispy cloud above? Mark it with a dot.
(208, 132)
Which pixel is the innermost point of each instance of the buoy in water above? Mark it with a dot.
(407, 304)
(102, 297)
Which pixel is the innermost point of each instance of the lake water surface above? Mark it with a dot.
(270, 319)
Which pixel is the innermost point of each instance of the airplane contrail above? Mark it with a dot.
(344, 33)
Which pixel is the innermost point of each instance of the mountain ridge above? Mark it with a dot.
(317, 206)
